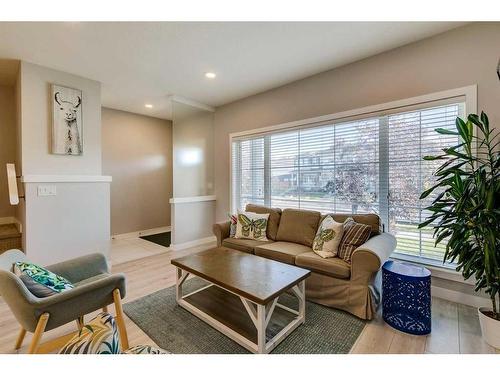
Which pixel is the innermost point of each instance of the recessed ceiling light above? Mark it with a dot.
(210, 75)
(148, 105)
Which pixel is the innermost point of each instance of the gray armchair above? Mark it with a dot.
(95, 288)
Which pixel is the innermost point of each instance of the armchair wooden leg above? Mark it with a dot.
(37, 336)
(80, 323)
(20, 338)
(119, 319)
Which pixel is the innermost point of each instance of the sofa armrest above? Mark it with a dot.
(221, 231)
(369, 257)
(81, 268)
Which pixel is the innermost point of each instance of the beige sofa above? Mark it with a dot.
(333, 282)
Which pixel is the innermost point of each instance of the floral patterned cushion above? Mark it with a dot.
(99, 336)
(145, 349)
(327, 240)
(40, 281)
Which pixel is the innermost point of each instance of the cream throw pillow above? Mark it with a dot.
(252, 226)
(327, 240)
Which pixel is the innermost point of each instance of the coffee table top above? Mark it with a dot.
(258, 279)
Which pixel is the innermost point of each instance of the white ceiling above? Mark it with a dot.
(140, 63)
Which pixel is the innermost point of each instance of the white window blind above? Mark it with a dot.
(411, 137)
(248, 176)
(369, 165)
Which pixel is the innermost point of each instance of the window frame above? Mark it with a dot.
(467, 94)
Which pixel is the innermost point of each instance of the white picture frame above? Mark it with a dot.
(67, 120)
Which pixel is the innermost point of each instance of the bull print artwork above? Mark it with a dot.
(67, 126)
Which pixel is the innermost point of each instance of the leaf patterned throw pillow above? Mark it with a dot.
(99, 336)
(252, 226)
(328, 237)
(232, 225)
(40, 281)
(145, 349)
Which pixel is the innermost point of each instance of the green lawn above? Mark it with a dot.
(408, 236)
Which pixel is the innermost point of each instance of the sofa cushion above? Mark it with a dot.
(355, 235)
(298, 226)
(273, 220)
(233, 220)
(335, 267)
(251, 226)
(328, 237)
(281, 251)
(243, 244)
(372, 220)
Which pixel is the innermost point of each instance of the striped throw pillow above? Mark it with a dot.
(355, 235)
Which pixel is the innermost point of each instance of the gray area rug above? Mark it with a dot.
(325, 331)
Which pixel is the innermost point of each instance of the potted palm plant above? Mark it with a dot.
(466, 211)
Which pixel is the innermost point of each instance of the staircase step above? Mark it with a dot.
(9, 231)
(10, 238)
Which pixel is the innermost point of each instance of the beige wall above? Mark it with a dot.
(21, 207)
(137, 153)
(461, 57)
(8, 145)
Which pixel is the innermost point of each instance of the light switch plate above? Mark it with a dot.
(46, 190)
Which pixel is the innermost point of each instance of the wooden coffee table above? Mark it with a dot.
(241, 300)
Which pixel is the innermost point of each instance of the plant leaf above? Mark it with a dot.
(445, 131)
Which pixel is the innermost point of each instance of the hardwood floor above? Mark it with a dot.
(455, 327)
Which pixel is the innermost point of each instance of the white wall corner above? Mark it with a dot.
(64, 178)
(206, 242)
(200, 198)
(191, 102)
(459, 297)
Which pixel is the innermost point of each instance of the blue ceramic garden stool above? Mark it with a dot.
(406, 297)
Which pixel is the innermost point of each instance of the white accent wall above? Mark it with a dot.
(36, 123)
(193, 205)
(74, 221)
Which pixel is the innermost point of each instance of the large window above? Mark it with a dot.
(370, 165)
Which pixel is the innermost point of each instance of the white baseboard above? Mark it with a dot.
(144, 232)
(458, 297)
(12, 220)
(207, 242)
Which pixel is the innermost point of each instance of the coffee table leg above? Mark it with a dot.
(302, 300)
(300, 292)
(261, 328)
(178, 285)
(180, 277)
